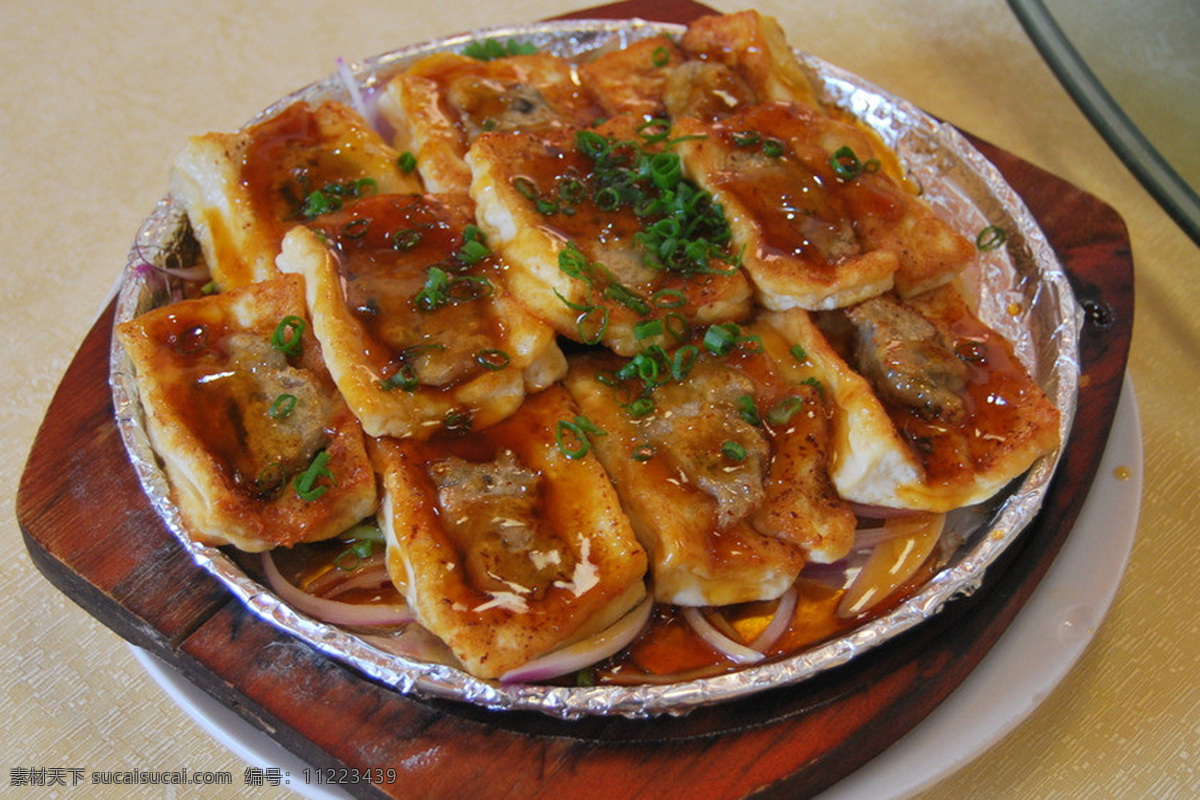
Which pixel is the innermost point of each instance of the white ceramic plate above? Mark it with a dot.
(1037, 651)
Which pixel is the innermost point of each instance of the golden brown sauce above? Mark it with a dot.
(997, 384)
(387, 246)
(220, 391)
(288, 159)
(802, 208)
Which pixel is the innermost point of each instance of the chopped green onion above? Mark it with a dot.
(282, 406)
(654, 131)
(648, 329)
(472, 252)
(356, 229)
(305, 483)
(660, 57)
(641, 407)
(799, 353)
(747, 138)
(577, 430)
(669, 298)
(773, 148)
(490, 49)
(720, 339)
(627, 297)
(734, 451)
(677, 326)
(271, 479)
(748, 410)
(846, 164)
(492, 359)
(287, 336)
(644, 452)
(990, 238)
(406, 239)
(403, 378)
(407, 162)
(572, 262)
(782, 412)
(592, 325)
(457, 421)
(436, 291)
(683, 361)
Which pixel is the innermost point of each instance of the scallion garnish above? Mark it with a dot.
(990, 238)
(734, 451)
(592, 325)
(572, 436)
(436, 291)
(305, 483)
(403, 378)
(490, 49)
(747, 410)
(492, 359)
(407, 162)
(287, 336)
(660, 56)
(721, 338)
(782, 412)
(644, 452)
(406, 239)
(282, 406)
(648, 329)
(845, 163)
(799, 353)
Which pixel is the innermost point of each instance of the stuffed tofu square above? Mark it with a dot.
(819, 208)
(243, 191)
(413, 313)
(511, 543)
(441, 104)
(721, 455)
(259, 447)
(606, 240)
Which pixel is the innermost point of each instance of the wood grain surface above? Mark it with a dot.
(93, 534)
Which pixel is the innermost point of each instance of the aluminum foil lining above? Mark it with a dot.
(954, 176)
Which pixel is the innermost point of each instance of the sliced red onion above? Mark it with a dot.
(332, 611)
(879, 512)
(372, 578)
(608, 642)
(347, 79)
(734, 651)
(334, 581)
(779, 623)
(197, 274)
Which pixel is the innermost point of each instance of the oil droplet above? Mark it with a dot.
(1122, 473)
(1085, 381)
(1015, 309)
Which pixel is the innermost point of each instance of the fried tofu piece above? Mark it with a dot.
(504, 545)
(723, 472)
(243, 191)
(753, 48)
(823, 223)
(633, 81)
(441, 104)
(259, 448)
(575, 248)
(415, 318)
(911, 429)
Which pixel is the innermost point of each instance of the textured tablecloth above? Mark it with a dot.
(95, 100)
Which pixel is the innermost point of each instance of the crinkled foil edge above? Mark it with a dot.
(954, 177)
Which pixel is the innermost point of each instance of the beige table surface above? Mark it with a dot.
(95, 100)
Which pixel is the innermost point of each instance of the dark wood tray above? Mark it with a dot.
(92, 533)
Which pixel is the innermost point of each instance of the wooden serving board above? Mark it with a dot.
(90, 530)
